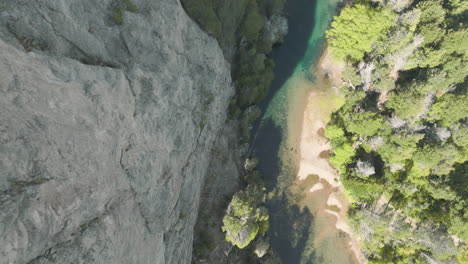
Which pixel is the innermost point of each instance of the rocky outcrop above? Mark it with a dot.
(105, 130)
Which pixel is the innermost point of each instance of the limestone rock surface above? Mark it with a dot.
(105, 130)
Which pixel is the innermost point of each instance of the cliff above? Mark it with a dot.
(105, 130)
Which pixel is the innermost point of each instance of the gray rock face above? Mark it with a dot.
(105, 130)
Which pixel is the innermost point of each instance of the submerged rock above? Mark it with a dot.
(105, 130)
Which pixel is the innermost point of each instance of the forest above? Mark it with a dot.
(400, 141)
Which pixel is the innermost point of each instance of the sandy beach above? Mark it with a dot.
(327, 194)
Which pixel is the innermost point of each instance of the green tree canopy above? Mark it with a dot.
(406, 104)
(449, 108)
(355, 30)
(245, 217)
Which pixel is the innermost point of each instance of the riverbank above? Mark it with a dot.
(324, 195)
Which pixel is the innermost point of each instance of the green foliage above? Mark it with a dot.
(455, 41)
(456, 69)
(463, 256)
(362, 190)
(238, 23)
(458, 7)
(203, 11)
(335, 134)
(350, 75)
(431, 12)
(355, 30)
(459, 220)
(254, 75)
(449, 45)
(130, 6)
(341, 156)
(407, 104)
(399, 148)
(245, 217)
(203, 243)
(437, 158)
(364, 124)
(117, 15)
(382, 81)
(352, 99)
(421, 162)
(271, 7)
(253, 22)
(460, 135)
(449, 108)
(399, 36)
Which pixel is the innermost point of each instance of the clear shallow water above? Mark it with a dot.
(299, 231)
(316, 15)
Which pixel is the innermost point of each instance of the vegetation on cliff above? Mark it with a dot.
(239, 27)
(400, 141)
(246, 30)
(246, 217)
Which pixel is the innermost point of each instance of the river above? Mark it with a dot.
(306, 203)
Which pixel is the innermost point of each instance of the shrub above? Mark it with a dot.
(124, 5)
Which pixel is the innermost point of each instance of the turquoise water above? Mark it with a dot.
(321, 15)
(294, 229)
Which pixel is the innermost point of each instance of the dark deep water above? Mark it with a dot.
(267, 138)
(290, 226)
(286, 221)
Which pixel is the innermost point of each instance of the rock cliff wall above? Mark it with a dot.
(105, 130)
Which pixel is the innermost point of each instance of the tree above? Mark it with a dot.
(246, 217)
(204, 13)
(458, 6)
(420, 164)
(449, 108)
(459, 220)
(341, 156)
(439, 159)
(355, 30)
(362, 190)
(432, 12)
(253, 22)
(460, 135)
(364, 124)
(399, 148)
(407, 104)
(335, 134)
